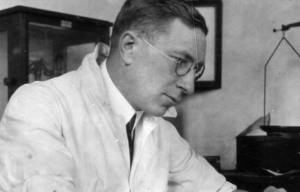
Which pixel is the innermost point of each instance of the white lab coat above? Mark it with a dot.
(61, 135)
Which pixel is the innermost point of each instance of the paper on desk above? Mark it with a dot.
(254, 128)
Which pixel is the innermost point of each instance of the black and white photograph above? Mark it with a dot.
(149, 96)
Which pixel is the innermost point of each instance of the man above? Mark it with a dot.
(72, 133)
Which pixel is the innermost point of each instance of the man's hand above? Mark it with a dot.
(268, 189)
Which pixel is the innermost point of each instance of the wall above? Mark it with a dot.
(211, 120)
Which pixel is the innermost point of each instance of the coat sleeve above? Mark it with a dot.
(191, 172)
(33, 155)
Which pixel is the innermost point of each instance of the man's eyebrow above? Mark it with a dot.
(187, 56)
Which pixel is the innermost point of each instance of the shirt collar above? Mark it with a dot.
(117, 101)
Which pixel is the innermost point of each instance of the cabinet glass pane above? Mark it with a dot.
(3, 71)
(55, 50)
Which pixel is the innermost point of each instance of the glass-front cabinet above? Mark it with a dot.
(37, 45)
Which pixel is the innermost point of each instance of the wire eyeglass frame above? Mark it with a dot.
(199, 68)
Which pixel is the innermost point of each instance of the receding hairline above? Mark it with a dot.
(153, 35)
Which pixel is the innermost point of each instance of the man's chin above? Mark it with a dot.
(158, 112)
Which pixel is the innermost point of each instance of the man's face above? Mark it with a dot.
(154, 84)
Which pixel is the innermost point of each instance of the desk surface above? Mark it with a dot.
(257, 183)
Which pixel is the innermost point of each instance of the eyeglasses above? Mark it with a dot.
(183, 66)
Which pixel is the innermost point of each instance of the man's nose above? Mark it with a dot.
(187, 82)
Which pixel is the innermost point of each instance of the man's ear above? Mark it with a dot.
(127, 41)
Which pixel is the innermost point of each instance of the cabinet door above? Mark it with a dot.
(55, 50)
(4, 80)
(57, 45)
(3, 70)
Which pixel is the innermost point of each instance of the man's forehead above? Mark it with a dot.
(180, 33)
(183, 40)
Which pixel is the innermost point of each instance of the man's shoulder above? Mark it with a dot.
(166, 126)
(49, 87)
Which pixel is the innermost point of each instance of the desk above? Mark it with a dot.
(257, 183)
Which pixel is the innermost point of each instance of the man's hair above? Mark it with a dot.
(152, 17)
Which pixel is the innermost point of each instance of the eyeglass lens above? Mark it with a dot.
(183, 67)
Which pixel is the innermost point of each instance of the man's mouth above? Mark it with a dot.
(175, 100)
